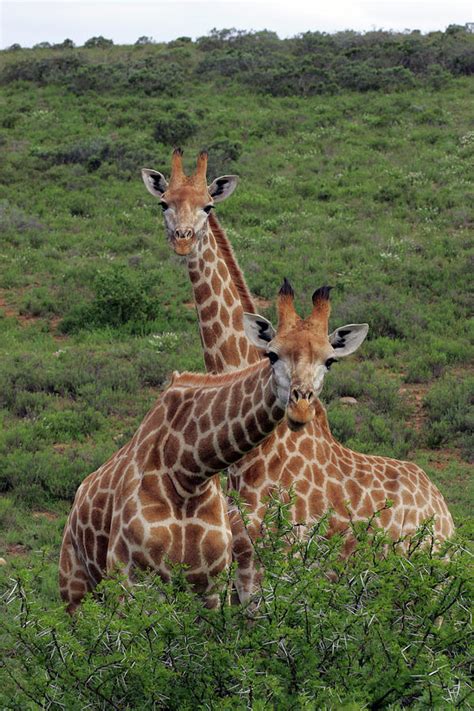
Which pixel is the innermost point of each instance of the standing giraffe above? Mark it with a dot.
(324, 474)
(218, 284)
(157, 501)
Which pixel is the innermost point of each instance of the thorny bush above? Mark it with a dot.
(379, 630)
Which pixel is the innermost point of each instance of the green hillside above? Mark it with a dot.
(355, 159)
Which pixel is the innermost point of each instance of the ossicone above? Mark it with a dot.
(286, 289)
(321, 294)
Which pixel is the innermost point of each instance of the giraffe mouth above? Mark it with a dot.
(299, 414)
(183, 245)
(295, 425)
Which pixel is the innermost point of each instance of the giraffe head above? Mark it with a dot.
(301, 351)
(186, 201)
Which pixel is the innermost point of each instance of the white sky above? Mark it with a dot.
(30, 21)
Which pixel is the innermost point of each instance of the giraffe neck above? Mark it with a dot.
(216, 419)
(229, 258)
(219, 307)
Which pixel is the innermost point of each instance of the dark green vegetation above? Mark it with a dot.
(368, 191)
(373, 639)
(309, 64)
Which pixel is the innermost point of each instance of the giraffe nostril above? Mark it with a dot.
(296, 395)
(178, 233)
(309, 395)
(189, 233)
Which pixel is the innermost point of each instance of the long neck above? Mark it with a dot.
(229, 258)
(219, 309)
(219, 419)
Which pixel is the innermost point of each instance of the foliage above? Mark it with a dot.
(450, 410)
(100, 42)
(175, 129)
(306, 65)
(223, 154)
(388, 631)
(121, 296)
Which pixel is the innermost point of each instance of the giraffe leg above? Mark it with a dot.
(211, 600)
(247, 576)
(74, 581)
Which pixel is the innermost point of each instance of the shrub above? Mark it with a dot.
(65, 44)
(223, 152)
(175, 129)
(13, 219)
(450, 410)
(144, 40)
(42, 71)
(342, 422)
(39, 302)
(376, 425)
(325, 633)
(89, 152)
(98, 42)
(167, 78)
(39, 477)
(121, 296)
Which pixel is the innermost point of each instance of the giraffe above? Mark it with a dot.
(157, 501)
(324, 474)
(218, 285)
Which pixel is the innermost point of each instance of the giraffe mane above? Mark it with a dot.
(211, 380)
(229, 257)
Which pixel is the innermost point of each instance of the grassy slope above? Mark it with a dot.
(364, 191)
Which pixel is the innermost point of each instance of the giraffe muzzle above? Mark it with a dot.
(183, 240)
(300, 410)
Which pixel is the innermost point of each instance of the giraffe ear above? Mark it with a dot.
(258, 330)
(347, 339)
(221, 188)
(155, 182)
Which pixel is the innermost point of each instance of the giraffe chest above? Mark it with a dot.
(157, 529)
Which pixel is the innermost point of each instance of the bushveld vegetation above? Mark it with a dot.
(354, 155)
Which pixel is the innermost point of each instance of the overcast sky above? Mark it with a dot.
(30, 21)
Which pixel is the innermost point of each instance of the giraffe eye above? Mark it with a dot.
(208, 208)
(329, 362)
(272, 357)
(164, 205)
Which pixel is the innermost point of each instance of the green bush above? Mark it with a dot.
(450, 411)
(377, 423)
(122, 296)
(164, 79)
(37, 475)
(223, 153)
(49, 70)
(175, 129)
(99, 42)
(15, 220)
(39, 302)
(89, 152)
(378, 630)
(342, 422)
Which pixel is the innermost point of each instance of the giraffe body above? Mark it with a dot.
(158, 501)
(324, 474)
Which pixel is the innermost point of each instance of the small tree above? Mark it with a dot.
(67, 44)
(144, 40)
(99, 42)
